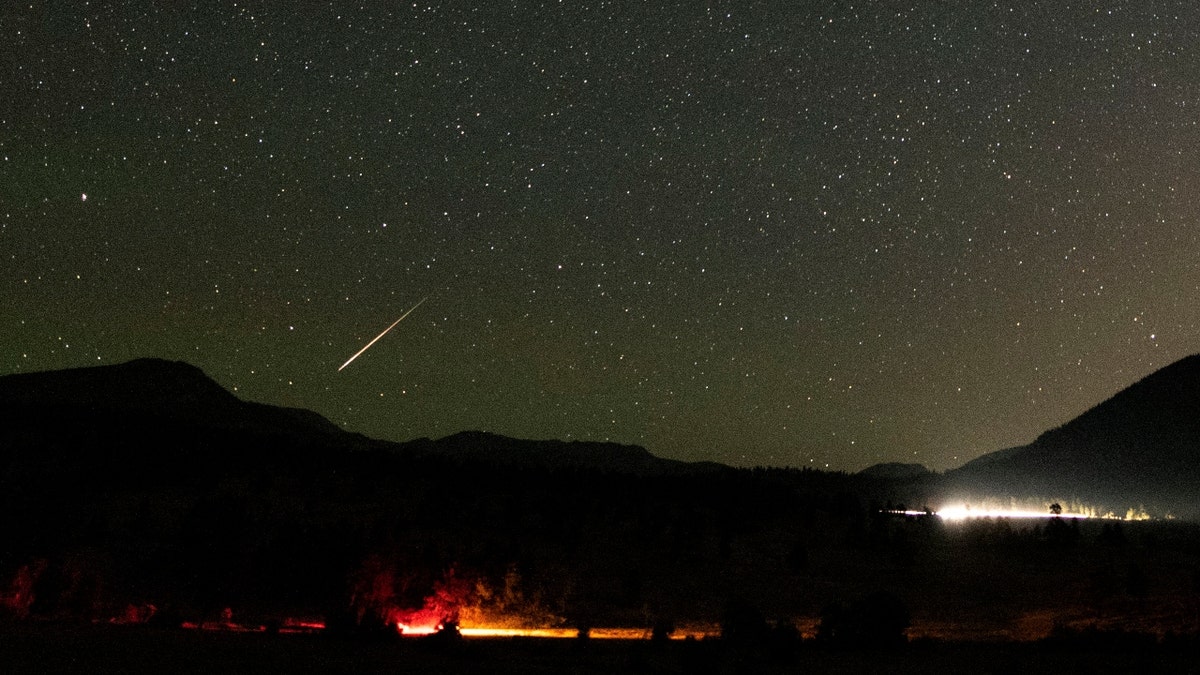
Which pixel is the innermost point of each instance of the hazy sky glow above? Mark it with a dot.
(762, 233)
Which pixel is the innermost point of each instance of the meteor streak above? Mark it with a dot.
(385, 332)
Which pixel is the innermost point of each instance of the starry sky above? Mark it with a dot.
(819, 234)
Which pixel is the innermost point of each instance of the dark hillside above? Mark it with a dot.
(1142, 446)
(146, 482)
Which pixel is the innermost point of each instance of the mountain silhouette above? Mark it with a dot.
(1139, 447)
(493, 449)
(155, 420)
(149, 406)
(146, 482)
(896, 471)
(150, 391)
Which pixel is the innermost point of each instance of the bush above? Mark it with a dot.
(877, 620)
(743, 624)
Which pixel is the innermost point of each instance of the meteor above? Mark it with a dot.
(385, 332)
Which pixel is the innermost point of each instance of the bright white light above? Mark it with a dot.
(956, 513)
(405, 629)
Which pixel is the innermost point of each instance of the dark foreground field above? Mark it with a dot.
(112, 649)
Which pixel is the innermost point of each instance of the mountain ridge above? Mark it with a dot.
(1139, 446)
(157, 393)
(152, 389)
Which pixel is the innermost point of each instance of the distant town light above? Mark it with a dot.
(966, 513)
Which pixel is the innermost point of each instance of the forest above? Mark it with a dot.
(233, 517)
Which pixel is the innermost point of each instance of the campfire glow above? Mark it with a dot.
(468, 606)
(595, 633)
(306, 627)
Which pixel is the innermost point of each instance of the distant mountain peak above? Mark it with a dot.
(1142, 444)
(490, 448)
(896, 471)
(149, 390)
(1163, 399)
(155, 393)
(144, 382)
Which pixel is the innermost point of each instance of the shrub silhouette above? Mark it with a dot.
(877, 620)
(743, 624)
(661, 631)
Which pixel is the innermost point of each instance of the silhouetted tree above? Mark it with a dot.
(783, 640)
(661, 632)
(447, 636)
(1061, 534)
(742, 624)
(877, 620)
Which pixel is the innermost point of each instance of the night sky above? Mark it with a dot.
(779, 233)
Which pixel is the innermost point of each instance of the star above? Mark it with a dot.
(614, 210)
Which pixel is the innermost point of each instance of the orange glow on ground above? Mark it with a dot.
(309, 626)
(405, 629)
(595, 633)
(301, 626)
(610, 633)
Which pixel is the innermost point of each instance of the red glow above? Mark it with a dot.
(441, 607)
(376, 597)
(594, 633)
(291, 625)
(466, 606)
(20, 596)
(135, 614)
